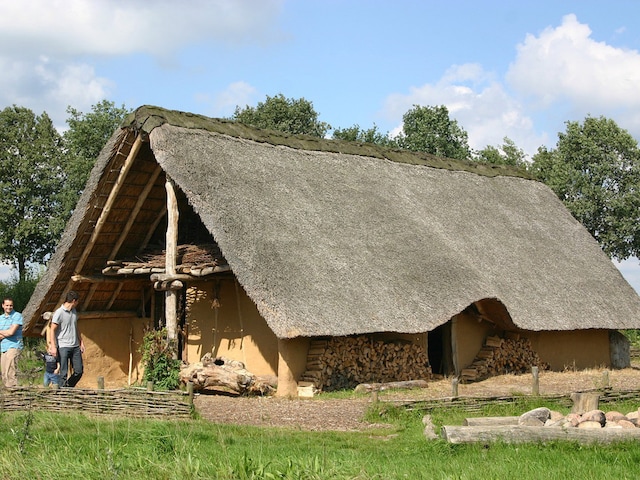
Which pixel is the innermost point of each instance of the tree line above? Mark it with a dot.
(594, 168)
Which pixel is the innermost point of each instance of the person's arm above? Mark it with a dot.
(80, 341)
(9, 331)
(52, 344)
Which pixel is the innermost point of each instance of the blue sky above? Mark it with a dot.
(502, 68)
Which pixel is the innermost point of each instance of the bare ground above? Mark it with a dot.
(320, 413)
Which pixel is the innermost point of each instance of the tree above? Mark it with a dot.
(595, 170)
(32, 181)
(506, 154)
(372, 135)
(284, 115)
(429, 129)
(87, 134)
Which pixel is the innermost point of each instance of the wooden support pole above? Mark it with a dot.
(171, 296)
(454, 387)
(535, 385)
(100, 383)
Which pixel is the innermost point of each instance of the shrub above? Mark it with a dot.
(160, 366)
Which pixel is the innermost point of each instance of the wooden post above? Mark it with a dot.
(605, 379)
(149, 386)
(100, 383)
(171, 296)
(454, 387)
(535, 386)
(190, 392)
(287, 384)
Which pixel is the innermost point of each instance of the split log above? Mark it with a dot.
(522, 434)
(408, 384)
(210, 373)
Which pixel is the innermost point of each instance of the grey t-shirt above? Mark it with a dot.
(67, 332)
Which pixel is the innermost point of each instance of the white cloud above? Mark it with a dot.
(479, 103)
(118, 27)
(47, 47)
(565, 65)
(236, 94)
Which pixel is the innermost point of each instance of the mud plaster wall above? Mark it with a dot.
(572, 349)
(468, 335)
(233, 330)
(107, 350)
(560, 349)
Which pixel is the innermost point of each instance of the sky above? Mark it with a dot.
(502, 68)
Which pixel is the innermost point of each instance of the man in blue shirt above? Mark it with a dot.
(10, 343)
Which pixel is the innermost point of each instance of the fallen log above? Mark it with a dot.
(523, 434)
(211, 373)
(408, 384)
(485, 421)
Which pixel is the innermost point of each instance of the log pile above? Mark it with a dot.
(195, 260)
(345, 362)
(223, 374)
(500, 356)
(542, 424)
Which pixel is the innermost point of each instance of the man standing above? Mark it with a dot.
(11, 343)
(65, 340)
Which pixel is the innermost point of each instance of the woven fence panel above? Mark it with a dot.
(122, 402)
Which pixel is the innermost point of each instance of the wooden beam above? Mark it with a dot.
(152, 228)
(162, 277)
(88, 296)
(134, 212)
(104, 314)
(171, 255)
(105, 212)
(114, 295)
(98, 279)
(109, 203)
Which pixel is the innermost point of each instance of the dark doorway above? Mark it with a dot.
(440, 352)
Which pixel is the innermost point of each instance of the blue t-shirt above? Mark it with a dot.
(15, 340)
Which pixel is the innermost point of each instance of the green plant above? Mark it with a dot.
(160, 366)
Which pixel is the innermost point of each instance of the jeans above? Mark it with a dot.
(74, 355)
(51, 378)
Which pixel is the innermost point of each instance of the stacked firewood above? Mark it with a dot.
(500, 356)
(345, 362)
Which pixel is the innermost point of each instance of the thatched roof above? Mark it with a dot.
(336, 238)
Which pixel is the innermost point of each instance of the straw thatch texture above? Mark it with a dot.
(334, 244)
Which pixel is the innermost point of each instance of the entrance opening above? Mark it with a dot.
(440, 355)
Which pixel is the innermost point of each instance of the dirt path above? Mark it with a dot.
(346, 414)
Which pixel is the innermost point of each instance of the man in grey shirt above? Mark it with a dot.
(65, 340)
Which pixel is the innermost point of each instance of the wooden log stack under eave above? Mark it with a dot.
(500, 356)
(345, 362)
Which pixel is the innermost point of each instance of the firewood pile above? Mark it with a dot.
(500, 356)
(345, 362)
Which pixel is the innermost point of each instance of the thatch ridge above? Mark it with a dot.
(147, 118)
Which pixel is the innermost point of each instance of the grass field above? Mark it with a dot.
(43, 445)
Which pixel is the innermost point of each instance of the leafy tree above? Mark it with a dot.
(595, 170)
(506, 154)
(284, 115)
(32, 181)
(372, 135)
(87, 134)
(429, 129)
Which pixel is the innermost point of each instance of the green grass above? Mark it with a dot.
(45, 445)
